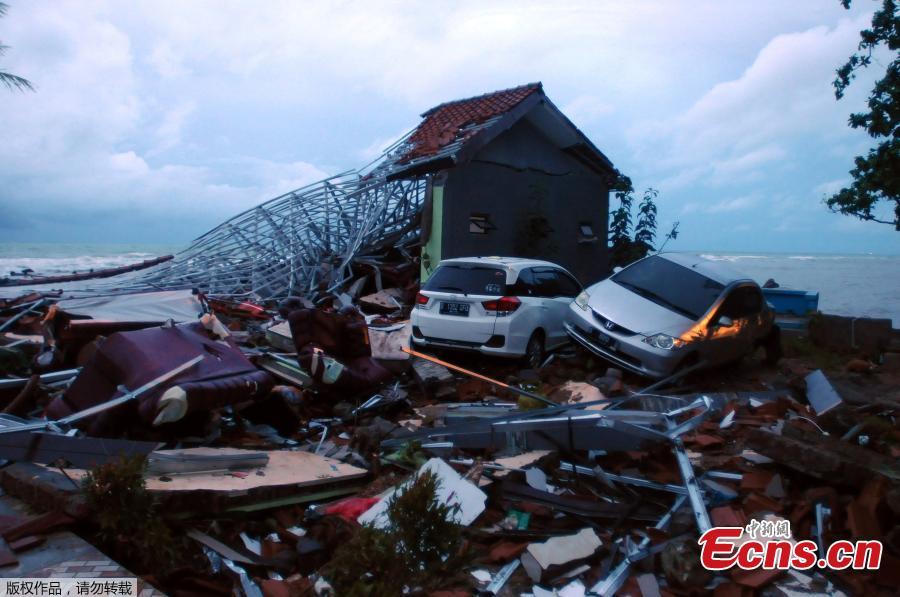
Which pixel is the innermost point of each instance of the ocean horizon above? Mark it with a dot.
(855, 285)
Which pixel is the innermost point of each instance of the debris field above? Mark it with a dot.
(215, 446)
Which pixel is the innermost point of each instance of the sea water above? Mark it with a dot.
(854, 285)
(54, 259)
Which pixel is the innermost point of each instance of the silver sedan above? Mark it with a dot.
(670, 311)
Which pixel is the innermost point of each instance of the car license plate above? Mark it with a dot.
(601, 338)
(458, 309)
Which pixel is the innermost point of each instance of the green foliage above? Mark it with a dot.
(11, 81)
(876, 176)
(419, 549)
(645, 230)
(130, 525)
(623, 248)
(620, 224)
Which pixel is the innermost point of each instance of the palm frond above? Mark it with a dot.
(14, 82)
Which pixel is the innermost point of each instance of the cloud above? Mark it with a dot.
(772, 138)
(587, 109)
(722, 206)
(166, 62)
(175, 115)
(831, 187)
(92, 148)
(749, 162)
(379, 145)
(785, 92)
(736, 204)
(171, 126)
(129, 164)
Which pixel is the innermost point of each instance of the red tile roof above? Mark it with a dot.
(442, 123)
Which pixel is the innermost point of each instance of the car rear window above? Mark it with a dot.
(670, 285)
(468, 279)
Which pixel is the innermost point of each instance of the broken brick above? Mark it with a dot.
(861, 521)
(756, 502)
(728, 516)
(756, 480)
(704, 440)
(505, 551)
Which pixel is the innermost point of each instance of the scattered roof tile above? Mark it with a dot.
(756, 480)
(728, 516)
(862, 522)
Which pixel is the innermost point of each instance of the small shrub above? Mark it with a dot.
(128, 521)
(418, 550)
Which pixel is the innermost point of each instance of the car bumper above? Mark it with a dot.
(630, 353)
(502, 351)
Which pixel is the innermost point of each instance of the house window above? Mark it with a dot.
(480, 224)
(586, 233)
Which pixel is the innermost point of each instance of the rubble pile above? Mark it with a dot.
(303, 449)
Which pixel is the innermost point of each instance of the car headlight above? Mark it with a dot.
(664, 341)
(582, 300)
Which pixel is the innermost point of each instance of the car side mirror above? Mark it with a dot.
(725, 322)
(617, 269)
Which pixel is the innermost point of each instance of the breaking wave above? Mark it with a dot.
(732, 257)
(66, 265)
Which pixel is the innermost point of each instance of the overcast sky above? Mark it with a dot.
(154, 121)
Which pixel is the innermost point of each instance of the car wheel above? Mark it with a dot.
(534, 350)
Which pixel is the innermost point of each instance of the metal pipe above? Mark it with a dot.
(22, 314)
(616, 578)
(693, 488)
(46, 378)
(627, 480)
(502, 576)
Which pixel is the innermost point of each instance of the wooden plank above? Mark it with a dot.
(287, 475)
(295, 469)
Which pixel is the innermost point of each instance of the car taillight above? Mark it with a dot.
(421, 299)
(502, 306)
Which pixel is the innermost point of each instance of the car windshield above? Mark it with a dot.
(671, 285)
(467, 278)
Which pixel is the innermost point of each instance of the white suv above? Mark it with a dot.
(505, 306)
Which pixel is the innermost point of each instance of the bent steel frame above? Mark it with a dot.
(302, 243)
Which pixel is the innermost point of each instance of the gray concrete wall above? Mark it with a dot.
(521, 180)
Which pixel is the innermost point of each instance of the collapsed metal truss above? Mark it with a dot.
(302, 243)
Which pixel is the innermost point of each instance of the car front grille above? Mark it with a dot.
(611, 326)
(607, 349)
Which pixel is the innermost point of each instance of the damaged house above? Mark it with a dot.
(511, 175)
(505, 173)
